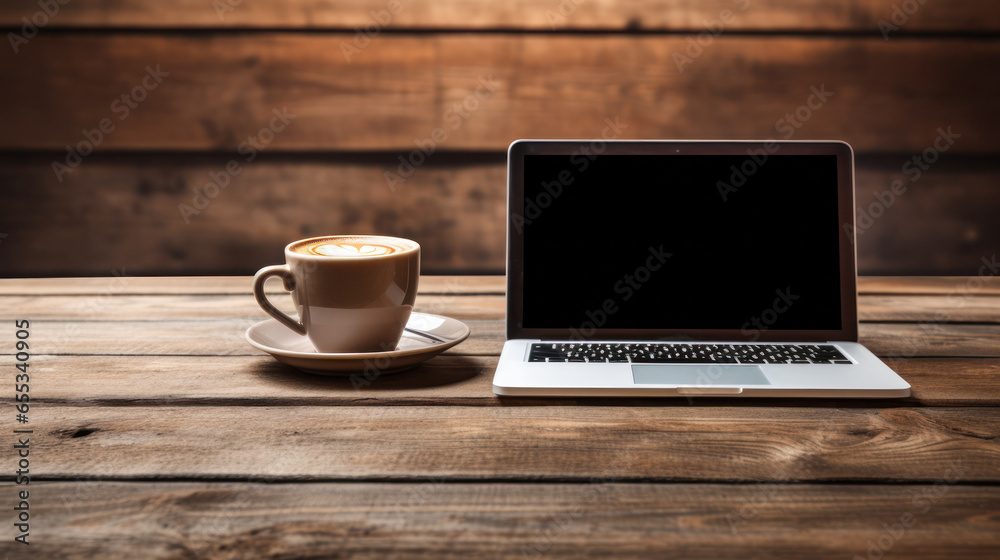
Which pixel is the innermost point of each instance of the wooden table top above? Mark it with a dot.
(158, 432)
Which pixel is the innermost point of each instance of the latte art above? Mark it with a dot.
(351, 250)
(353, 246)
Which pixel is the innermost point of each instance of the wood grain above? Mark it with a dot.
(902, 340)
(118, 520)
(453, 205)
(225, 337)
(158, 308)
(429, 284)
(184, 337)
(448, 380)
(963, 306)
(236, 456)
(222, 89)
(953, 202)
(454, 210)
(516, 443)
(630, 15)
(230, 285)
(926, 285)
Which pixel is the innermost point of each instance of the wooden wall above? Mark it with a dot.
(522, 68)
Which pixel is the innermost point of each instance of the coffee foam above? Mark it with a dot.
(340, 247)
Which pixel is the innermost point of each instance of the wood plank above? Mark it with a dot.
(453, 205)
(943, 221)
(219, 337)
(225, 337)
(117, 520)
(451, 379)
(230, 285)
(513, 443)
(429, 284)
(222, 89)
(923, 285)
(454, 210)
(896, 340)
(632, 15)
(961, 307)
(194, 307)
(965, 304)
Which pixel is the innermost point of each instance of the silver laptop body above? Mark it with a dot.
(684, 268)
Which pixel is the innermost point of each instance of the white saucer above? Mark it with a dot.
(288, 346)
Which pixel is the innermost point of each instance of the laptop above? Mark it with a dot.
(684, 268)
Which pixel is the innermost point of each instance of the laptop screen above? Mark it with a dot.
(680, 242)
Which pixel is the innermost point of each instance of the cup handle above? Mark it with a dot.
(285, 273)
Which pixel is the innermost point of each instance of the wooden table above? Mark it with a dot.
(158, 432)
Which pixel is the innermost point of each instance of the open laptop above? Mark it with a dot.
(678, 268)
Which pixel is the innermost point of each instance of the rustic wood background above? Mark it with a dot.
(560, 70)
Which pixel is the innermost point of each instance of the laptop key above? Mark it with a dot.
(723, 360)
(645, 359)
(677, 353)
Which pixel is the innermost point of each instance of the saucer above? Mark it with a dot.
(291, 348)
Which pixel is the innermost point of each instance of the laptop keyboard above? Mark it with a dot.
(680, 353)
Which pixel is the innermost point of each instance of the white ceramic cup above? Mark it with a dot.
(353, 293)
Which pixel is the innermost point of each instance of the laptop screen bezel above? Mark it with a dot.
(845, 211)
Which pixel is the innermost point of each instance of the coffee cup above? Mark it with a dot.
(353, 293)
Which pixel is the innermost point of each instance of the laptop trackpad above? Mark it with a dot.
(699, 375)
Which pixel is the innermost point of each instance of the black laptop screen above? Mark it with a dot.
(680, 242)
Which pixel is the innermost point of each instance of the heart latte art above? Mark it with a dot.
(351, 250)
(350, 247)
